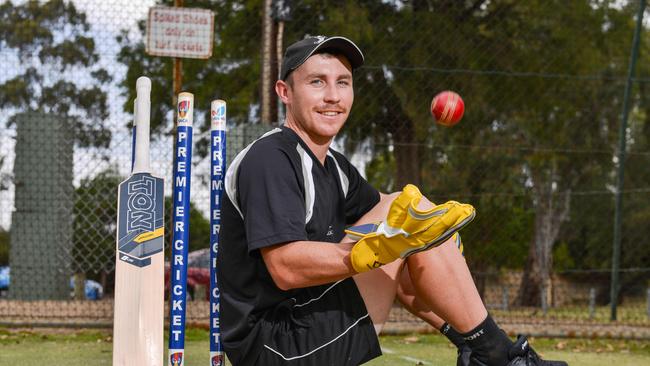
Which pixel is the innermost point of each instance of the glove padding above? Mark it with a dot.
(406, 230)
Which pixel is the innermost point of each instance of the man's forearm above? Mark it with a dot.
(307, 263)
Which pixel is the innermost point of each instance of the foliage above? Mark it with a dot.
(562, 257)
(94, 221)
(199, 228)
(53, 38)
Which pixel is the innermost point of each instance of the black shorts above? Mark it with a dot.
(330, 326)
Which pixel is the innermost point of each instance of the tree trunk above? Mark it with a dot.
(535, 283)
(529, 294)
(551, 210)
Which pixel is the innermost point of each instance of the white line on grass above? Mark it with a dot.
(389, 351)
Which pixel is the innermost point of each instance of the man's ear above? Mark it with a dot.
(282, 90)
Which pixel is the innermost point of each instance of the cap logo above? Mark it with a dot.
(319, 39)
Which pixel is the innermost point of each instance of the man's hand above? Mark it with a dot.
(407, 230)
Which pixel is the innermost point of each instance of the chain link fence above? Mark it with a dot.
(537, 152)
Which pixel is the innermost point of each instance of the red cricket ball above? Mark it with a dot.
(447, 108)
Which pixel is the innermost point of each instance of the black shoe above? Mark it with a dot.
(464, 352)
(521, 354)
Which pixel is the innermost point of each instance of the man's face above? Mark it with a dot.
(319, 96)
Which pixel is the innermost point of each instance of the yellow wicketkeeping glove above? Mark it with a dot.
(406, 230)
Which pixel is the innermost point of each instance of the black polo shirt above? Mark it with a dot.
(276, 192)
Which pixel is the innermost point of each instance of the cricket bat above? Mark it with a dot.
(217, 174)
(139, 276)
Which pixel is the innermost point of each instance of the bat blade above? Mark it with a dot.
(139, 277)
(140, 226)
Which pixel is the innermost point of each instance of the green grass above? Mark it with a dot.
(87, 347)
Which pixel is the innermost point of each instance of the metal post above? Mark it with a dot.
(177, 85)
(505, 298)
(269, 65)
(281, 14)
(279, 54)
(592, 303)
(177, 76)
(616, 255)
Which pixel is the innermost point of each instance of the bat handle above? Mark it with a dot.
(143, 108)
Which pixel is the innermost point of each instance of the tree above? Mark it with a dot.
(566, 115)
(542, 127)
(33, 31)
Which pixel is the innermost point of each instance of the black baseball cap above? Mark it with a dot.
(299, 52)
